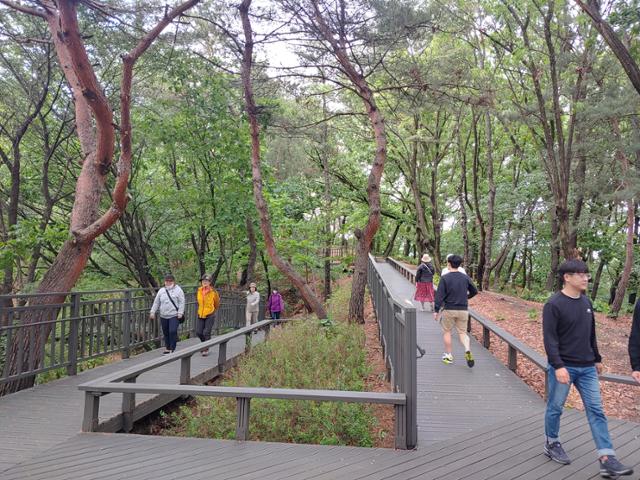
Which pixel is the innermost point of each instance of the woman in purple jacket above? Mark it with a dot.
(275, 304)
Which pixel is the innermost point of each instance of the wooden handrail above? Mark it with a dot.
(515, 345)
(125, 382)
(188, 352)
(249, 392)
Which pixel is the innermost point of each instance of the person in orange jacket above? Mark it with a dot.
(208, 302)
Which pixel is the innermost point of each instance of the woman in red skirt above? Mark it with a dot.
(424, 282)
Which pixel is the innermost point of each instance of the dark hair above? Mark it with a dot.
(572, 266)
(169, 276)
(455, 260)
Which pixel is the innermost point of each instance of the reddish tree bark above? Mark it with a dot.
(364, 236)
(261, 205)
(97, 144)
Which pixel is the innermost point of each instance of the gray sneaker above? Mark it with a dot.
(556, 453)
(612, 468)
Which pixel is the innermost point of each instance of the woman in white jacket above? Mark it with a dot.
(253, 304)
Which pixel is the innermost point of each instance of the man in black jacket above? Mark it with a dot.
(634, 344)
(452, 296)
(569, 331)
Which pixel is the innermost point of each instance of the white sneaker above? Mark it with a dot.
(447, 358)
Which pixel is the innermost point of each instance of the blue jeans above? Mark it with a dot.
(275, 315)
(170, 332)
(586, 381)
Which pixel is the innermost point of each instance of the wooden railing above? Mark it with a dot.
(397, 327)
(515, 346)
(125, 382)
(89, 325)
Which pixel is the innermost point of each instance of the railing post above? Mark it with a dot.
(401, 427)
(486, 337)
(267, 330)
(513, 358)
(128, 407)
(410, 376)
(222, 357)
(126, 324)
(468, 323)
(185, 371)
(242, 425)
(247, 341)
(91, 410)
(72, 368)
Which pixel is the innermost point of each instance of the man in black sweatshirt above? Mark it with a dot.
(634, 344)
(452, 296)
(569, 331)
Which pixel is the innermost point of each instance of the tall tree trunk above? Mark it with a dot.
(388, 250)
(261, 205)
(248, 274)
(596, 279)
(364, 236)
(476, 202)
(96, 131)
(491, 201)
(631, 213)
(328, 235)
(592, 8)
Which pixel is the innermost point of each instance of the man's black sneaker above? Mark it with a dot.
(612, 468)
(556, 453)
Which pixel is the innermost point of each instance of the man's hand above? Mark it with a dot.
(152, 316)
(636, 376)
(599, 368)
(562, 375)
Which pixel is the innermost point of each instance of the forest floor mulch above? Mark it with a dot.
(523, 319)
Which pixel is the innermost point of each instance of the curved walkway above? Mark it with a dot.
(480, 423)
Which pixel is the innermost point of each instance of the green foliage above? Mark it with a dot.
(298, 355)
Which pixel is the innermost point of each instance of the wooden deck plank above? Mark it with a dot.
(477, 424)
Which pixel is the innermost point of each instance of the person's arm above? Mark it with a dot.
(634, 343)
(550, 335)
(594, 341)
(156, 304)
(256, 301)
(471, 289)
(180, 302)
(440, 294)
(216, 300)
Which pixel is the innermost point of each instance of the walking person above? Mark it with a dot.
(446, 270)
(424, 283)
(275, 304)
(253, 304)
(208, 301)
(169, 302)
(569, 331)
(452, 297)
(634, 343)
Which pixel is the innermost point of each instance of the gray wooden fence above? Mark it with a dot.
(515, 347)
(397, 328)
(88, 325)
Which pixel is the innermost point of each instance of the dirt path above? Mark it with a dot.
(523, 319)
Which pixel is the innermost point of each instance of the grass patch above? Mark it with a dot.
(302, 354)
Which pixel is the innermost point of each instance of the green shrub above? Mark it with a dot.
(301, 354)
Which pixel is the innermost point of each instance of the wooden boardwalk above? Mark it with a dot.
(480, 423)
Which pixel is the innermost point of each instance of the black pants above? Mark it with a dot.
(275, 315)
(204, 326)
(170, 332)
